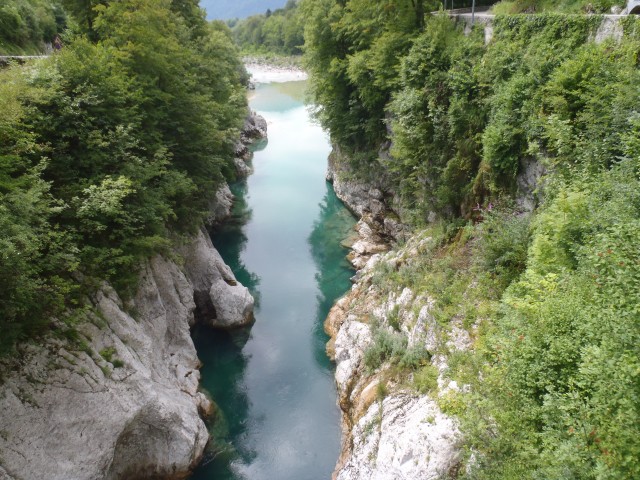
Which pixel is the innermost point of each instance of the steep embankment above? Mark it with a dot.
(390, 431)
(120, 399)
(509, 319)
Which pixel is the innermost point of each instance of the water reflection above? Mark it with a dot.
(335, 223)
(223, 384)
(275, 386)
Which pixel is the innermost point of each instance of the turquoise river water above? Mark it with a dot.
(274, 387)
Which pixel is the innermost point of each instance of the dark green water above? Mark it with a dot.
(278, 418)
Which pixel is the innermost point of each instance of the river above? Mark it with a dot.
(274, 387)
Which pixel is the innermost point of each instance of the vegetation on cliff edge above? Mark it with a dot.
(107, 146)
(549, 296)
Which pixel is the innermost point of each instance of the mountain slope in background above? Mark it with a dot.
(227, 9)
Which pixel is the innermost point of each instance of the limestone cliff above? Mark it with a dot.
(254, 130)
(121, 399)
(116, 397)
(390, 430)
(371, 200)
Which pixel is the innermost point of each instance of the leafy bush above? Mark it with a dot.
(25, 25)
(106, 147)
(425, 380)
(108, 353)
(565, 344)
(502, 244)
(384, 347)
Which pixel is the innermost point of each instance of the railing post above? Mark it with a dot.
(473, 12)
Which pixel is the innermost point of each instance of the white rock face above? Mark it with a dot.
(221, 205)
(404, 437)
(254, 129)
(366, 200)
(122, 402)
(390, 433)
(611, 27)
(368, 243)
(221, 301)
(70, 414)
(351, 342)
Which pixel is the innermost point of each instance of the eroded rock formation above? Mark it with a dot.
(390, 431)
(120, 399)
(116, 397)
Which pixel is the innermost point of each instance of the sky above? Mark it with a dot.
(227, 9)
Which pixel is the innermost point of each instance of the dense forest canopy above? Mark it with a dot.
(550, 296)
(25, 25)
(107, 148)
(279, 31)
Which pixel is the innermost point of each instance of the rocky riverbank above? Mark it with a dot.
(267, 72)
(371, 201)
(117, 397)
(390, 430)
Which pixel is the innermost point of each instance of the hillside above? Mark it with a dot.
(115, 151)
(508, 304)
(228, 9)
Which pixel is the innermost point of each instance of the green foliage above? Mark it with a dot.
(502, 244)
(414, 357)
(564, 349)
(554, 375)
(463, 115)
(26, 25)
(35, 253)
(565, 6)
(384, 347)
(108, 353)
(106, 147)
(425, 380)
(381, 391)
(392, 346)
(280, 31)
(431, 174)
(352, 50)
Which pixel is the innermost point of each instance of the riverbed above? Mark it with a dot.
(277, 417)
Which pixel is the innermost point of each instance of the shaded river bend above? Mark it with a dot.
(274, 385)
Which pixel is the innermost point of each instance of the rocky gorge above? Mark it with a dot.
(390, 430)
(118, 395)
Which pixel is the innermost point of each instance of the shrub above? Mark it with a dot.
(425, 380)
(108, 353)
(385, 346)
(502, 244)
